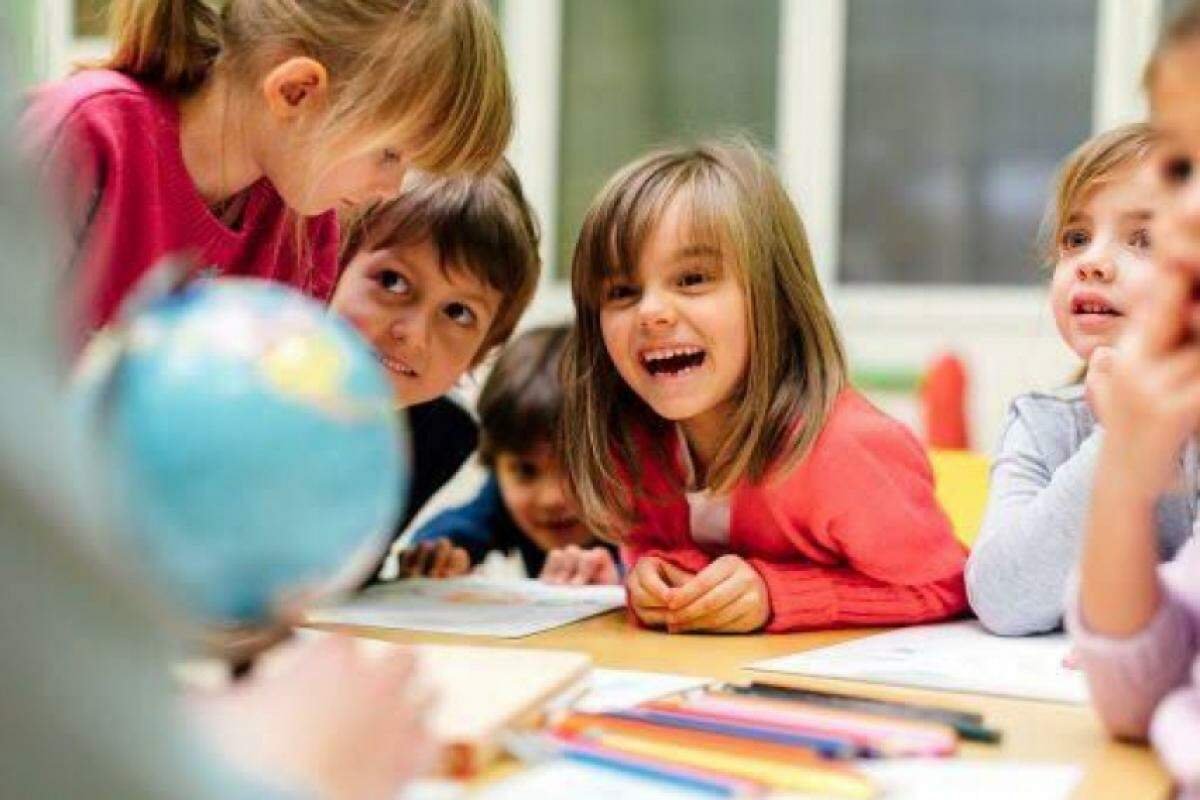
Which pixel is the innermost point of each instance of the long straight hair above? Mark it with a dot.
(796, 367)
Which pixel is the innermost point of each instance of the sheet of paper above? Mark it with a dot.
(617, 689)
(937, 779)
(955, 656)
(473, 606)
(561, 778)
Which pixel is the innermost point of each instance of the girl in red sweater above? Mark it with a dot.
(709, 424)
(235, 136)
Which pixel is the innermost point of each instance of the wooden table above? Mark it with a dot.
(1033, 731)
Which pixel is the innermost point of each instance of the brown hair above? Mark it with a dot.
(522, 400)
(480, 224)
(1182, 28)
(796, 367)
(427, 72)
(1088, 167)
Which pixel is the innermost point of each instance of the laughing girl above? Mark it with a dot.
(709, 424)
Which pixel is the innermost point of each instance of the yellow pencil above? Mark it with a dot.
(797, 777)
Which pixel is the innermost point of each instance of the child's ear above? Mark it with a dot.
(294, 87)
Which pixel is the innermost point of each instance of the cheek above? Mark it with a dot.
(517, 498)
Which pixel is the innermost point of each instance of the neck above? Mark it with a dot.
(704, 433)
(219, 156)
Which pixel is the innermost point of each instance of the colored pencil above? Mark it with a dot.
(838, 747)
(886, 736)
(969, 725)
(796, 777)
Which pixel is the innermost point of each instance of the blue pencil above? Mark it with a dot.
(828, 746)
(631, 765)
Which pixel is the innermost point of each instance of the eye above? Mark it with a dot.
(619, 292)
(1177, 170)
(693, 278)
(392, 281)
(1140, 239)
(460, 314)
(527, 470)
(1075, 238)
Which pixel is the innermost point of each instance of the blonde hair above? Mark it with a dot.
(481, 225)
(1092, 165)
(796, 366)
(1182, 28)
(427, 72)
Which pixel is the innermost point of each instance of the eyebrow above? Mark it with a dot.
(1140, 215)
(697, 251)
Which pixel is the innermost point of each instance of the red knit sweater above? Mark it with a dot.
(852, 535)
(108, 149)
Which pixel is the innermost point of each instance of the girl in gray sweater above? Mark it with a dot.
(1041, 480)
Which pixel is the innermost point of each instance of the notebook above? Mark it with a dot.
(484, 691)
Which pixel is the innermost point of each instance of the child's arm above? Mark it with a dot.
(470, 528)
(864, 502)
(1032, 529)
(1134, 646)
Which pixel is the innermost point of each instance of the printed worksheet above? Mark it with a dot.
(953, 656)
(472, 606)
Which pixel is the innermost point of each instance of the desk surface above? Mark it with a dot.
(1033, 731)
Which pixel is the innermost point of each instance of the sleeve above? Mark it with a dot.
(875, 514)
(1031, 534)
(472, 526)
(70, 158)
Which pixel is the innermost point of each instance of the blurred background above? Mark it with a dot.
(917, 137)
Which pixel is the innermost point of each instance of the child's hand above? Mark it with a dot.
(727, 596)
(650, 582)
(1150, 401)
(575, 566)
(325, 719)
(434, 559)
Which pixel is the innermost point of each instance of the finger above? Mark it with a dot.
(719, 621)
(651, 616)
(552, 570)
(703, 582)
(1182, 366)
(406, 562)
(589, 565)
(440, 558)
(711, 602)
(649, 582)
(674, 576)
(460, 562)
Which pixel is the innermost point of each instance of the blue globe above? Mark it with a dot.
(252, 442)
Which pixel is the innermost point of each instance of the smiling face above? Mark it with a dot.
(1103, 259)
(677, 330)
(426, 323)
(535, 492)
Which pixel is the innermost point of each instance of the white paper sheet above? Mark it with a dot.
(561, 778)
(955, 656)
(473, 606)
(938, 779)
(618, 689)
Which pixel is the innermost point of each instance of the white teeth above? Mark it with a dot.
(396, 366)
(670, 352)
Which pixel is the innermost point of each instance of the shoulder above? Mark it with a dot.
(856, 425)
(1056, 422)
(92, 96)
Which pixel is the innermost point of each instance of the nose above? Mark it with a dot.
(1100, 268)
(655, 312)
(411, 329)
(550, 495)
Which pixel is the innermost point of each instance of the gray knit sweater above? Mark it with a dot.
(1037, 509)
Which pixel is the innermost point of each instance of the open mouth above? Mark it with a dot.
(396, 366)
(1094, 306)
(560, 525)
(672, 362)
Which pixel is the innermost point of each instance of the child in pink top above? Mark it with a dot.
(235, 137)
(1137, 626)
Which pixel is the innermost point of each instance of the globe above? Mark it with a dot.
(251, 442)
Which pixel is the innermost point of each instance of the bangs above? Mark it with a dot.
(615, 234)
